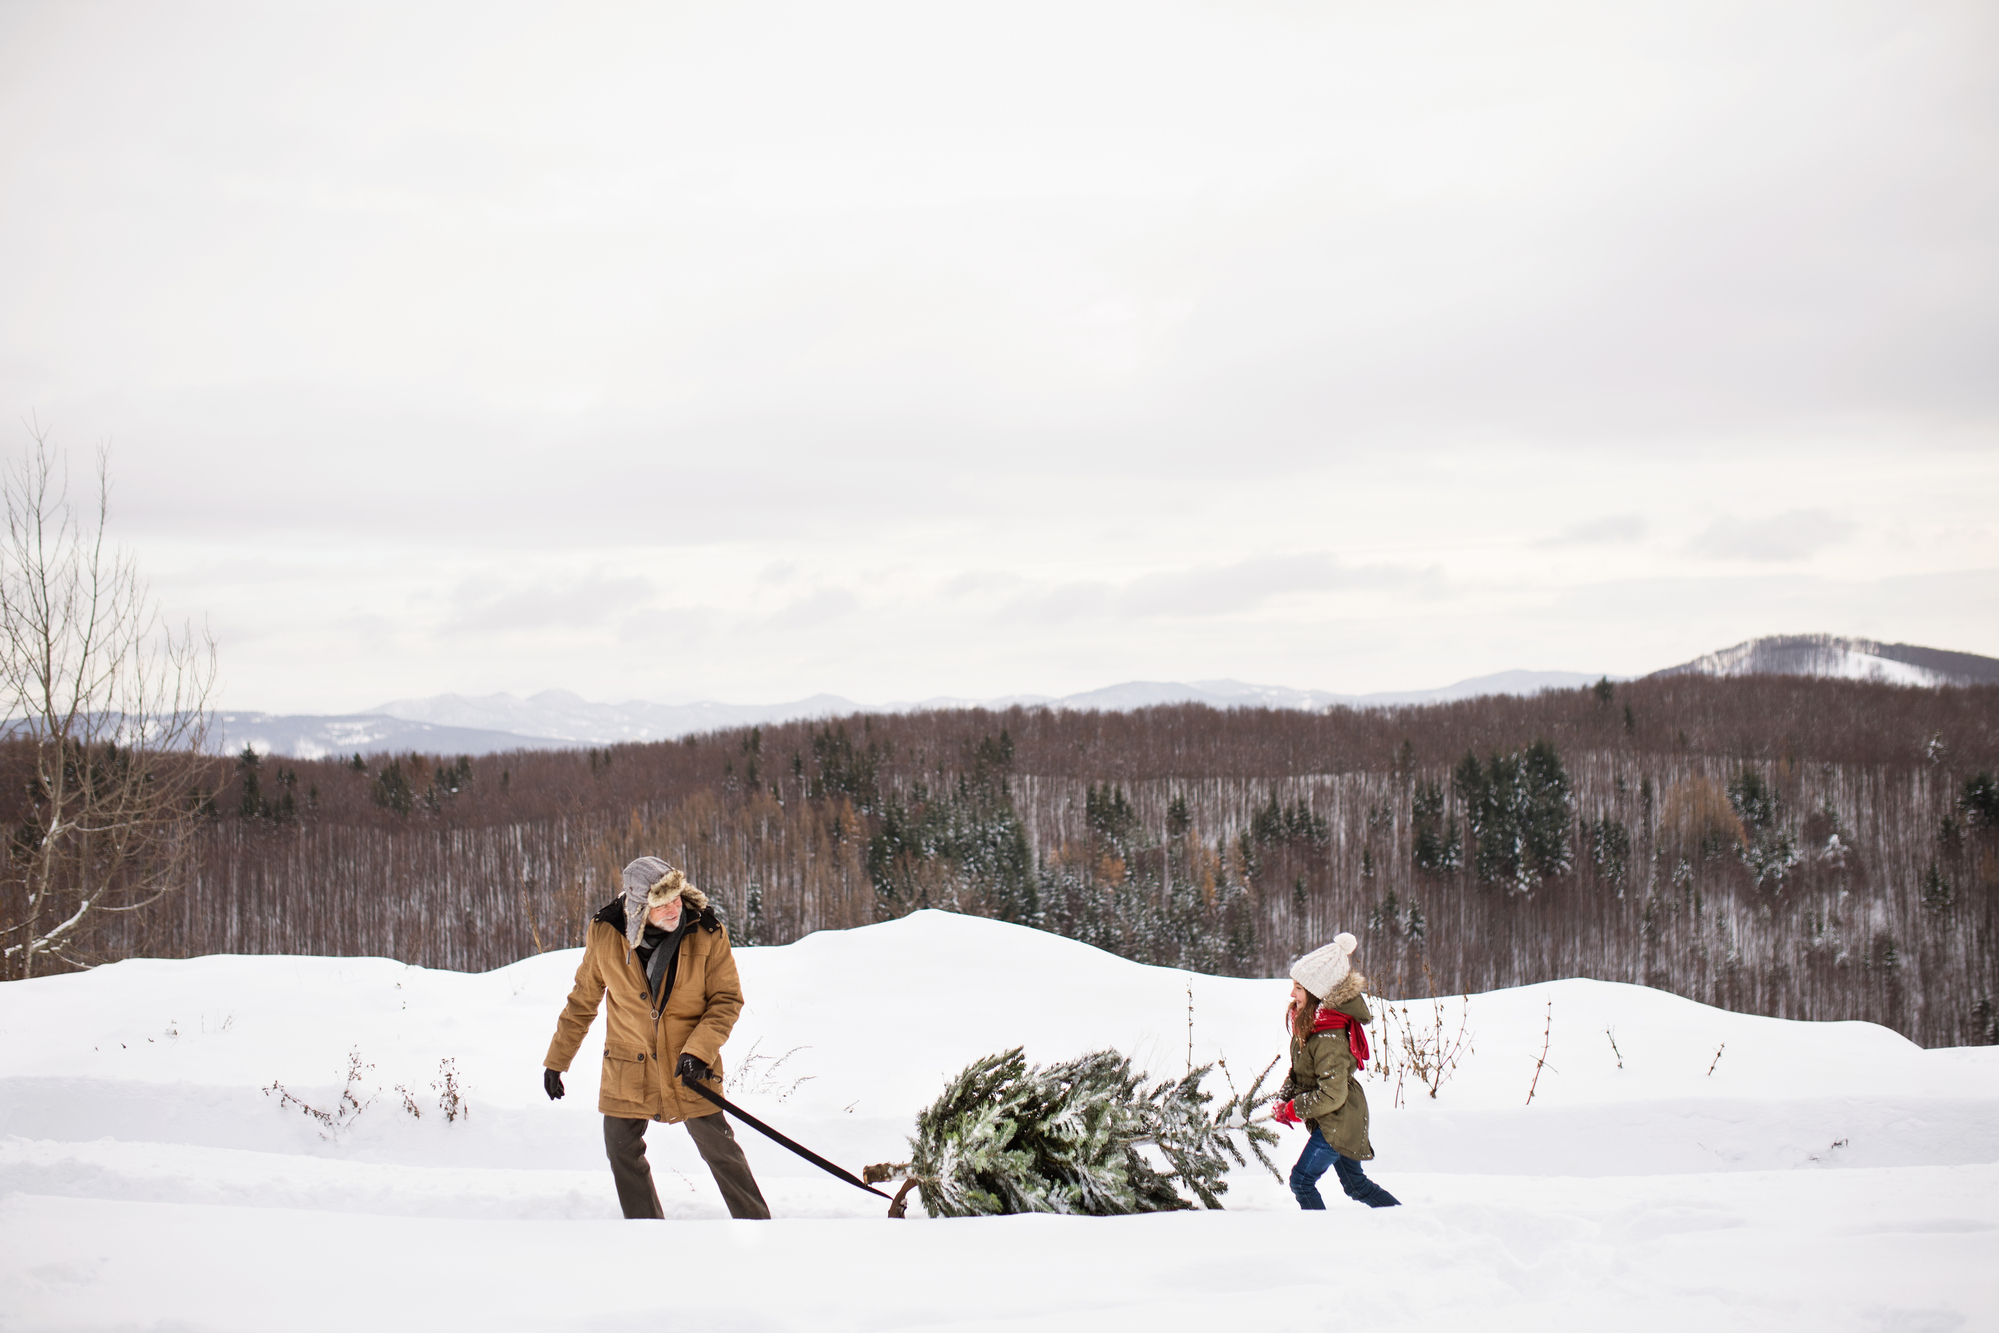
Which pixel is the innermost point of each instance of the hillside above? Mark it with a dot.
(1837, 658)
(1800, 848)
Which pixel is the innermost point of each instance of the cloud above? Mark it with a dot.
(1222, 589)
(1609, 530)
(815, 608)
(1208, 590)
(778, 571)
(481, 607)
(1301, 279)
(972, 582)
(1064, 602)
(1796, 534)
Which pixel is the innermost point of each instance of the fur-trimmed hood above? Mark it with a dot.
(1354, 984)
(613, 915)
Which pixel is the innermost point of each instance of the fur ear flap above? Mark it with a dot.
(675, 884)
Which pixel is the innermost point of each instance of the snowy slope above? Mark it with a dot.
(1834, 657)
(143, 1166)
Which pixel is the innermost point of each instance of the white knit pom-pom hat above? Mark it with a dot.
(1322, 970)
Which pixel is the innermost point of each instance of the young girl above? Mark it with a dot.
(1328, 1047)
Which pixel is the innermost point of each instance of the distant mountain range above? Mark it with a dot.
(557, 719)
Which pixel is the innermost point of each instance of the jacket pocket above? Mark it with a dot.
(625, 1075)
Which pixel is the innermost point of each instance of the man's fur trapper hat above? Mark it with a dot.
(649, 882)
(1323, 970)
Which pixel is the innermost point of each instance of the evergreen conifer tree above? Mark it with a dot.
(253, 795)
(1980, 801)
(1518, 807)
(1071, 1137)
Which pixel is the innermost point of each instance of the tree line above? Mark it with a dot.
(1787, 846)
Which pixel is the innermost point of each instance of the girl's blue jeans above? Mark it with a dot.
(1314, 1162)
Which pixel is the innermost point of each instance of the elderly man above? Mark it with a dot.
(662, 958)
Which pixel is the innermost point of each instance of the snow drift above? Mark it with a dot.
(155, 1162)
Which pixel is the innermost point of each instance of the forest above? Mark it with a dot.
(1803, 848)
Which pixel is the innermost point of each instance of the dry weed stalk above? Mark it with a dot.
(758, 1074)
(449, 1099)
(1541, 1061)
(1190, 1023)
(1429, 1049)
(345, 1111)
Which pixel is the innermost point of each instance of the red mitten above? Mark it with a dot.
(1286, 1114)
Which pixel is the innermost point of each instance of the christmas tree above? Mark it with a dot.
(1081, 1136)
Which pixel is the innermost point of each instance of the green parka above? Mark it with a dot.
(1322, 1086)
(641, 1047)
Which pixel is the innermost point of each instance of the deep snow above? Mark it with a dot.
(1742, 1171)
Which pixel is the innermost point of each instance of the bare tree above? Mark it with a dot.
(106, 715)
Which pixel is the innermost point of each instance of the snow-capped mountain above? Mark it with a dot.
(489, 723)
(562, 716)
(1831, 655)
(558, 715)
(322, 736)
(1237, 694)
(1501, 682)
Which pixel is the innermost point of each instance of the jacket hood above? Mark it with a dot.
(1354, 1007)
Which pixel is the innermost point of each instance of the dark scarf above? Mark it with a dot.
(659, 954)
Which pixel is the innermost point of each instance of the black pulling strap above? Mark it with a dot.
(769, 1133)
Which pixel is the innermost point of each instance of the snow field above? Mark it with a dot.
(1738, 1170)
(1906, 1250)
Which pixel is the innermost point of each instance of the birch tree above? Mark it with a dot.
(106, 717)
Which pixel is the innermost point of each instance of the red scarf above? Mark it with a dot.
(1328, 1019)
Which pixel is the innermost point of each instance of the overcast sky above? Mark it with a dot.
(745, 351)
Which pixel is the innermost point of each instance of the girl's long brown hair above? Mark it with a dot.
(1293, 1009)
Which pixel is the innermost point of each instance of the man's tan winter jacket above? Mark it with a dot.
(1322, 1085)
(641, 1047)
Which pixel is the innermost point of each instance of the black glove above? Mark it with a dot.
(692, 1070)
(551, 1083)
